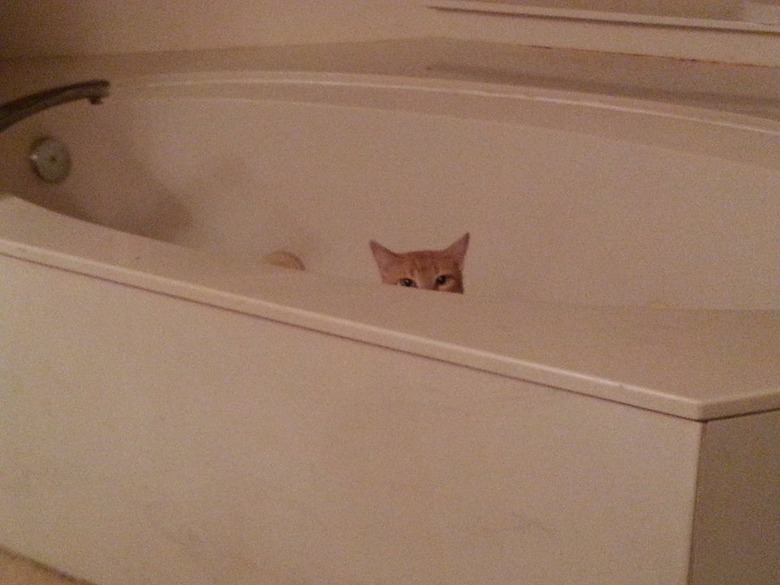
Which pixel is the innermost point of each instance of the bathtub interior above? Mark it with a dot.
(565, 202)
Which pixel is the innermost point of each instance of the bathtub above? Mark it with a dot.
(602, 405)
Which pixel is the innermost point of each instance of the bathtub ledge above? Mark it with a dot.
(699, 365)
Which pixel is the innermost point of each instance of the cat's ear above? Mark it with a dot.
(384, 257)
(458, 249)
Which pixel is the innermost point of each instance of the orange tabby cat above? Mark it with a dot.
(427, 269)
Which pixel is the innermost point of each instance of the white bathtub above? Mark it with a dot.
(601, 406)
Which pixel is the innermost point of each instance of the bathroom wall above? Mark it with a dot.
(79, 27)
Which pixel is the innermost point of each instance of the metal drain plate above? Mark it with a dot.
(50, 160)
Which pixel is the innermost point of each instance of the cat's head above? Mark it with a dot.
(440, 270)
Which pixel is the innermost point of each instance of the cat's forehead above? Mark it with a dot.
(426, 261)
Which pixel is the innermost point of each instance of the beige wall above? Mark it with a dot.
(76, 27)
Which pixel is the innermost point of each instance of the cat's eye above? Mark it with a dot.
(442, 279)
(407, 282)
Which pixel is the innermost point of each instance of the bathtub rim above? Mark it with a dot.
(655, 121)
(665, 105)
(32, 234)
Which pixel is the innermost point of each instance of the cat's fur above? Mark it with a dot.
(440, 270)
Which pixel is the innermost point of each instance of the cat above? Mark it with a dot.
(440, 270)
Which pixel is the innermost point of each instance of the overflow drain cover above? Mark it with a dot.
(50, 160)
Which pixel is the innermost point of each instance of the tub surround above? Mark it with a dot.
(160, 459)
(94, 28)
